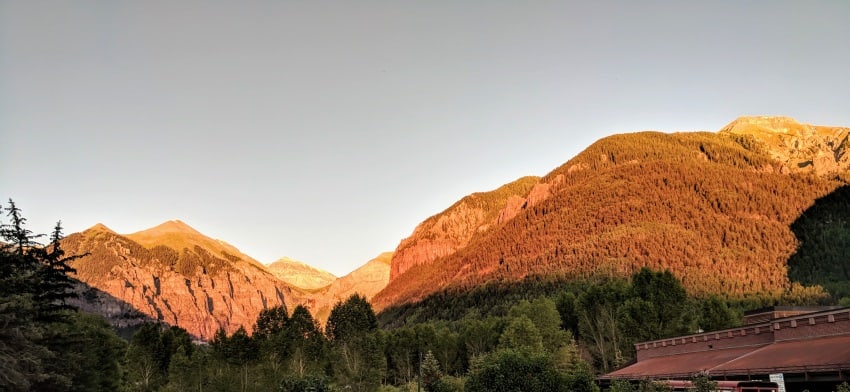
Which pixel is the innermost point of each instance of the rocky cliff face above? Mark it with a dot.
(444, 233)
(798, 147)
(199, 288)
(301, 275)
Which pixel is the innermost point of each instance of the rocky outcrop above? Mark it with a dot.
(798, 147)
(301, 275)
(183, 283)
(443, 234)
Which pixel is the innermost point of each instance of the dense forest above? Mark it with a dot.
(714, 209)
(555, 341)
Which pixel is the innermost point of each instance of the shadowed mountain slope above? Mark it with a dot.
(823, 256)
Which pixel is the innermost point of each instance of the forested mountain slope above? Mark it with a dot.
(714, 208)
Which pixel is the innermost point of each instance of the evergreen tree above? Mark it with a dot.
(55, 285)
(431, 372)
(45, 344)
(33, 287)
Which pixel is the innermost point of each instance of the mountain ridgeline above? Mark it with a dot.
(733, 213)
(713, 208)
(174, 274)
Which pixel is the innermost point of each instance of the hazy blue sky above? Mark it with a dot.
(325, 131)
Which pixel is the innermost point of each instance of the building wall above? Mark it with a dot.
(777, 312)
(802, 327)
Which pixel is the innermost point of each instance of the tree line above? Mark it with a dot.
(553, 342)
(537, 335)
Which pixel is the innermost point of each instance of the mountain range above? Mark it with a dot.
(715, 208)
(174, 274)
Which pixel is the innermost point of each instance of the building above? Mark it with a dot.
(809, 347)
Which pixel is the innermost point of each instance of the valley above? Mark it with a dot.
(715, 209)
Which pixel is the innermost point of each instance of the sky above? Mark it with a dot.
(325, 131)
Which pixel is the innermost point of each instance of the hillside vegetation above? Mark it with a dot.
(713, 208)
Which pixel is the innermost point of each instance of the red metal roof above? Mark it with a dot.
(680, 365)
(795, 356)
(827, 353)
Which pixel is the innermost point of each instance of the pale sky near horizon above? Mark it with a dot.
(327, 130)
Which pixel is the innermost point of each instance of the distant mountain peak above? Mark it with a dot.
(178, 235)
(100, 227)
(171, 226)
(300, 274)
(770, 124)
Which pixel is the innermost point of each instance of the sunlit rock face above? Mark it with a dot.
(176, 275)
(443, 234)
(799, 147)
